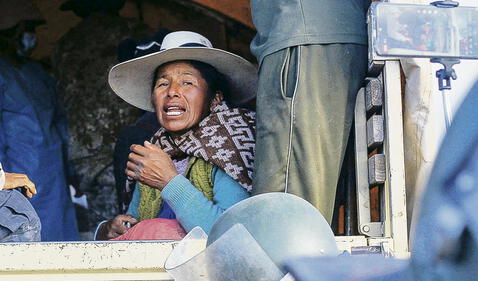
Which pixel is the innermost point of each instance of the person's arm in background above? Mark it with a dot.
(12, 180)
(17, 214)
(3, 147)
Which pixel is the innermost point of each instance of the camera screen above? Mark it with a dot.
(424, 31)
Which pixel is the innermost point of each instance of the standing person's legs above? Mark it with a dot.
(305, 106)
(272, 125)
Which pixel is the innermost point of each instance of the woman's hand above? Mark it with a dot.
(150, 165)
(115, 227)
(13, 180)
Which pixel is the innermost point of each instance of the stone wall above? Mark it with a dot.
(81, 61)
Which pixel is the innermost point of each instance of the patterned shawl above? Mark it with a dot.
(225, 138)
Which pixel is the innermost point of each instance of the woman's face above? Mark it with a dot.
(180, 97)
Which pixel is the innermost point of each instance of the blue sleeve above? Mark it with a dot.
(2, 134)
(134, 204)
(193, 209)
(61, 125)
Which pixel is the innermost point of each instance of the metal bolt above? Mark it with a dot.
(366, 228)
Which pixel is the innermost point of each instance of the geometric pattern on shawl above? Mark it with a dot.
(225, 138)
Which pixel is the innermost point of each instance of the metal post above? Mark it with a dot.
(446, 109)
(395, 192)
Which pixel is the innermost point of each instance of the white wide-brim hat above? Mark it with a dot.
(132, 80)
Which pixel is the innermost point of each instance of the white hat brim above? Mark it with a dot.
(132, 80)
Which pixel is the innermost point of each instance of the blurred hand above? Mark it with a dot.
(150, 165)
(13, 180)
(115, 227)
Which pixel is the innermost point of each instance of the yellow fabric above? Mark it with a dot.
(199, 173)
(149, 203)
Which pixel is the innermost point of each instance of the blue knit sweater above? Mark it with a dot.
(189, 206)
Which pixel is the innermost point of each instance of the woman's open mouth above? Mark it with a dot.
(174, 110)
